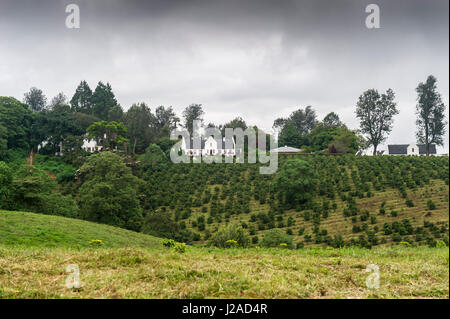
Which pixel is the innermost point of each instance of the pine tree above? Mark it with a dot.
(82, 99)
(103, 101)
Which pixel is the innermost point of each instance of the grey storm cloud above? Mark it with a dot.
(257, 59)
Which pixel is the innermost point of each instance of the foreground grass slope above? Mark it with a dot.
(214, 273)
(35, 250)
(38, 230)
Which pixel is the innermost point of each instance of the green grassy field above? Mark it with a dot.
(36, 249)
(38, 230)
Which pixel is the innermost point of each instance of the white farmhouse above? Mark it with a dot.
(209, 146)
(91, 146)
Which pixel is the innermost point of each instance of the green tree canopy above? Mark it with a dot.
(296, 181)
(375, 112)
(138, 121)
(289, 136)
(331, 120)
(165, 121)
(35, 99)
(59, 100)
(6, 177)
(108, 192)
(108, 134)
(234, 123)
(82, 99)
(430, 114)
(16, 122)
(154, 159)
(103, 100)
(191, 113)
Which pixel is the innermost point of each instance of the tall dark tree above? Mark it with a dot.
(279, 123)
(116, 113)
(103, 101)
(35, 99)
(331, 120)
(16, 121)
(304, 120)
(191, 113)
(375, 112)
(59, 100)
(108, 192)
(296, 126)
(165, 121)
(82, 99)
(3, 141)
(290, 137)
(138, 121)
(234, 123)
(430, 114)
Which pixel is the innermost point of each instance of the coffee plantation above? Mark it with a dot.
(365, 201)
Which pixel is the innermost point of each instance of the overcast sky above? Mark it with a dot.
(257, 59)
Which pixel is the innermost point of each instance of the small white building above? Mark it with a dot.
(91, 146)
(286, 150)
(209, 146)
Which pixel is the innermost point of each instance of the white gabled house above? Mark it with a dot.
(91, 146)
(209, 146)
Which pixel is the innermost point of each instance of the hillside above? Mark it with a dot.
(367, 201)
(38, 230)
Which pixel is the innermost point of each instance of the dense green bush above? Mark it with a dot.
(31, 189)
(231, 232)
(431, 205)
(6, 177)
(275, 237)
(296, 181)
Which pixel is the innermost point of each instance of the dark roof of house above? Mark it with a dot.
(398, 149)
(423, 149)
(203, 140)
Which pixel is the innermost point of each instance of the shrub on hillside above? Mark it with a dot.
(431, 205)
(161, 224)
(296, 182)
(57, 204)
(409, 203)
(231, 232)
(275, 237)
(6, 177)
(33, 190)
